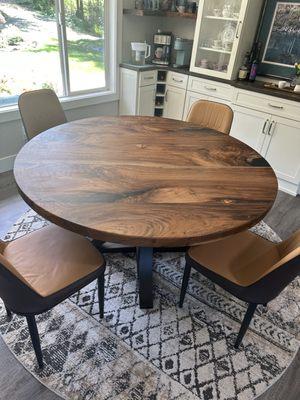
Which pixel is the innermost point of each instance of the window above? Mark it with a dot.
(58, 44)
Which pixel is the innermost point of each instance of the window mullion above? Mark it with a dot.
(63, 48)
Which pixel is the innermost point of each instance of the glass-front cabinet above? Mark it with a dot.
(225, 30)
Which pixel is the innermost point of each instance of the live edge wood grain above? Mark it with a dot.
(144, 181)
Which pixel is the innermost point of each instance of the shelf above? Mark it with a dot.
(215, 50)
(161, 82)
(159, 107)
(160, 95)
(221, 18)
(158, 13)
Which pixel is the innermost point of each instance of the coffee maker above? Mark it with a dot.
(183, 52)
(162, 48)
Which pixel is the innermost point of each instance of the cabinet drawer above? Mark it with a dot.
(269, 104)
(148, 78)
(177, 80)
(210, 88)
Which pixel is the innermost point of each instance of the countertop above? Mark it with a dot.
(257, 86)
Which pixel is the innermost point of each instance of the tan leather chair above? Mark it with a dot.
(247, 266)
(42, 269)
(40, 110)
(209, 114)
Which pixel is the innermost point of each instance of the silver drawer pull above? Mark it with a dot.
(177, 80)
(265, 125)
(275, 106)
(271, 130)
(210, 88)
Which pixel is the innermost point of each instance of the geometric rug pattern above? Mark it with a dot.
(164, 353)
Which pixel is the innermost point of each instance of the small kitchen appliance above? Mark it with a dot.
(183, 52)
(162, 48)
(140, 51)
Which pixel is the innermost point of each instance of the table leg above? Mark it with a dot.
(144, 258)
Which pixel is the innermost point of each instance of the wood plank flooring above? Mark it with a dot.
(18, 384)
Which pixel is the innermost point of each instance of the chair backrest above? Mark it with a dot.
(279, 274)
(17, 296)
(289, 248)
(40, 110)
(211, 115)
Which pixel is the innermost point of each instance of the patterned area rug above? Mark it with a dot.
(162, 354)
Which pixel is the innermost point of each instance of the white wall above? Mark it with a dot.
(12, 136)
(140, 29)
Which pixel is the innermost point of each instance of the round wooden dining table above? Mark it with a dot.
(145, 182)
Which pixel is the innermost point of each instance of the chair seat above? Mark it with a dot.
(52, 258)
(243, 259)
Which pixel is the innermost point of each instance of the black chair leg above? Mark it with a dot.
(101, 295)
(34, 334)
(245, 324)
(8, 313)
(185, 281)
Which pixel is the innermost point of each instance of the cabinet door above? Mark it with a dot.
(191, 98)
(282, 149)
(146, 100)
(128, 92)
(217, 36)
(174, 103)
(250, 127)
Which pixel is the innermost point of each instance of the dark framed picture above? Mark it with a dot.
(280, 38)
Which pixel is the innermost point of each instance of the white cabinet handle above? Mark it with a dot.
(178, 80)
(147, 78)
(210, 88)
(238, 29)
(276, 106)
(166, 96)
(265, 125)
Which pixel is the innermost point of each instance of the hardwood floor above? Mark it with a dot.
(18, 384)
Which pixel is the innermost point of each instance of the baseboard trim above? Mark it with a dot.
(7, 163)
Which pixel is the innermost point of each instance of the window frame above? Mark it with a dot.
(73, 99)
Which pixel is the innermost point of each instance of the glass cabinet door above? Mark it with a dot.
(217, 35)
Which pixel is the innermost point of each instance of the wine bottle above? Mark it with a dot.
(255, 64)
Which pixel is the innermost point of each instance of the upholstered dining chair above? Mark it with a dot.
(40, 110)
(40, 270)
(209, 114)
(247, 266)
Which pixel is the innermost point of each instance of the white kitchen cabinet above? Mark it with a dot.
(224, 32)
(250, 126)
(191, 98)
(276, 138)
(174, 102)
(282, 150)
(178, 80)
(211, 88)
(146, 100)
(269, 104)
(137, 92)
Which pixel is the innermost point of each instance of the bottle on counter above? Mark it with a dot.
(255, 63)
(244, 69)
